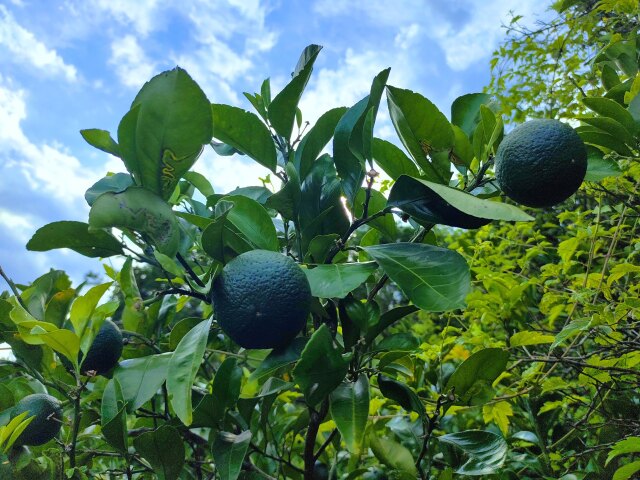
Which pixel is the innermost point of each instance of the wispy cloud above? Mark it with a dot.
(140, 15)
(21, 46)
(131, 64)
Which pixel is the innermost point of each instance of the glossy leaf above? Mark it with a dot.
(485, 451)
(253, 222)
(228, 451)
(245, 132)
(611, 109)
(349, 407)
(465, 111)
(183, 367)
(401, 393)
(312, 144)
(422, 128)
(337, 280)
(101, 139)
(278, 359)
(225, 388)
(471, 382)
(321, 209)
(391, 453)
(435, 279)
(200, 182)
(77, 237)
(118, 182)
(114, 416)
(282, 110)
(599, 167)
(164, 449)
(431, 202)
(172, 126)
(321, 367)
(349, 165)
(140, 210)
(141, 378)
(392, 160)
(84, 307)
(389, 318)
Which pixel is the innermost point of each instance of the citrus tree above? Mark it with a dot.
(264, 349)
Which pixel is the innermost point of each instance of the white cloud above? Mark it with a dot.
(131, 64)
(142, 15)
(467, 31)
(24, 47)
(46, 168)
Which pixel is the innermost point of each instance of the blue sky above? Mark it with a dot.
(69, 65)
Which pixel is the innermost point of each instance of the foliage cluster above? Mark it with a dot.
(505, 347)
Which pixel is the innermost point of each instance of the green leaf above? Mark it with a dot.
(337, 280)
(77, 237)
(610, 126)
(183, 367)
(225, 389)
(349, 408)
(200, 182)
(385, 224)
(278, 359)
(84, 307)
(164, 450)
(228, 451)
(599, 167)
(127, 139)
(118, 182)
(626, 471)
(612, 109)
(287, 201)
(594, 136)
(435, 279)
(321, 367)
(570, 330)
(485, 452)
(462, 154)
(282, 110)
(321, 209)
(434, 203)
(525, 337)
(471, 382)
(114, 416)
(392, 160)
(392, 454)
(142, 211)
(173, 125)
(63, 341)
(389, 318)
(316, 139)
(623, 447)
(402, 394)
(141, 378)
(253, 222)
(422, 128)
(349, 165)
(245, 132)
(465, 111)
(101, 139)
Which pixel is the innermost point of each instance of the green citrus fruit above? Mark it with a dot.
(261, 299)
(47, 422)
(105, 350)
(541, 163)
